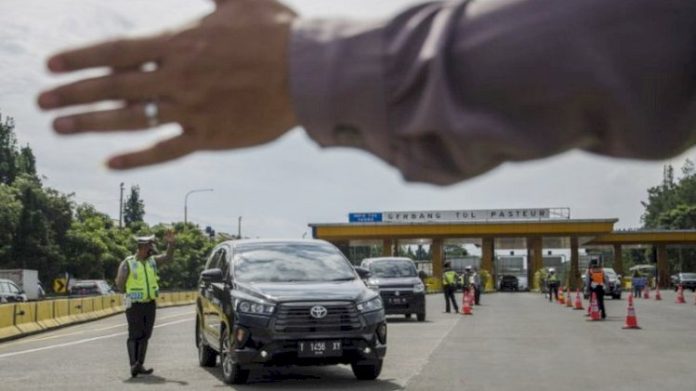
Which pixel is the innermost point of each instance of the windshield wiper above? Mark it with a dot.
(342, 279)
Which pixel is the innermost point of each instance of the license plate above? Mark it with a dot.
(319, 348)
(397, 300)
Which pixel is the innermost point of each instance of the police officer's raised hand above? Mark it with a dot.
(170, 237)
(224, 80)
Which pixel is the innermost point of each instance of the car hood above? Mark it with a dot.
(353, 290)
(397, 281)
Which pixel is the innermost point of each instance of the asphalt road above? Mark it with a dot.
(514, 341)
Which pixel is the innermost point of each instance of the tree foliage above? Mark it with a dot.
(134, 208)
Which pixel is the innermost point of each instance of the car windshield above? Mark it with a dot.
(610, 273)
(689, 276)
(291, 262)
(393, 268)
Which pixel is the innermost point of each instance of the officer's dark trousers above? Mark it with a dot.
(599, 291)
(141, 319)
(449, 296)
(553, 292)
(477, 295)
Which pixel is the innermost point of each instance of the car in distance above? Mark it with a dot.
(397, 281)
(509, 282)
(686, 280)
(10, 292)
(613, 287)
(89, 288)
(287, 302)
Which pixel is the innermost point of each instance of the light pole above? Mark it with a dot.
(186, 201)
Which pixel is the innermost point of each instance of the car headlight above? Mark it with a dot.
(374, 304)
(252, 307)
(418, 288)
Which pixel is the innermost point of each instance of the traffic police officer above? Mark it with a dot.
(552, 283)
(449, 286)
(596, 281)
(137, 278)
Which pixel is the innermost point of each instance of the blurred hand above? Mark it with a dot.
(170, 237)
(224, 80)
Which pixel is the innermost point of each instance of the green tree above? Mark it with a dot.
(9, 220)
(8, 151)
(134, 209)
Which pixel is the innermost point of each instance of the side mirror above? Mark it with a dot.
(212, 276)
(363, 273)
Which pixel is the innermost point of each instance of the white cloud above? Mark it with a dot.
(281, 187)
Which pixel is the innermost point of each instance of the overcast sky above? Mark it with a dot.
(277, 188)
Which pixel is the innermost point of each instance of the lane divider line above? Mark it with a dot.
(39, 339)
(81, 341)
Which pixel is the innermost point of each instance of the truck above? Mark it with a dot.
(27, 280)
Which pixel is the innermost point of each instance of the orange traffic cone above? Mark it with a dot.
(631, 320)
(680, 295)
(578, 301)
(569, 301)
(657, 293)
(561, 299)
(589, 306)
(594, 309)
(646, 292)
(466, 305)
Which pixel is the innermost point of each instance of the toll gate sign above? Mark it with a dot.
(365, 217)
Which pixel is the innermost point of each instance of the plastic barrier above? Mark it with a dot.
(21, 319)
(7, 326)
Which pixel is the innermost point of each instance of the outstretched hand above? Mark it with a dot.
(224, 80)
(170, 237)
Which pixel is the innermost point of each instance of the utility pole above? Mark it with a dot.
(239, 227)
(120, 208)
(186, 201)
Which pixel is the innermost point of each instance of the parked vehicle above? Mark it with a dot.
(613, 287)
(686, 280)
(398, 284)
(508, 282)
(89, 288)
(287, 302)
(10, 292)
(27, 281)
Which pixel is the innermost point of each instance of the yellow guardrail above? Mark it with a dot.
(21, 319)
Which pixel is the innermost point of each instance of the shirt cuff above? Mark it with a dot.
(337, 83)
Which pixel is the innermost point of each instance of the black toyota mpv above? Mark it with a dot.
(287, 302)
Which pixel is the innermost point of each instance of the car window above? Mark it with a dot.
(13, 288)
(688, 276)
(290, 262)
(392, 269)
(3, 287)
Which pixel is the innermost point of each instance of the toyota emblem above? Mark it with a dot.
(318, 311)
(397, 293)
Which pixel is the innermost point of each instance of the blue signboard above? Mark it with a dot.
(365, 217)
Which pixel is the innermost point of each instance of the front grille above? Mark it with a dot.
(296, 318)
(392, 293)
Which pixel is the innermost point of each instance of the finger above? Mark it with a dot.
(163, 151)
(131, 117)
(115, 86)
(118, 53)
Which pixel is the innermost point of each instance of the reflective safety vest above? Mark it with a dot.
(449, 277)
(141, 285)
(553, 278)
(597, 277)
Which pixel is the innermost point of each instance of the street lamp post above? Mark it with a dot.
(186, 201)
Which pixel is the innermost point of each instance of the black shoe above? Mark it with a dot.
(142, 370)
(134, 370)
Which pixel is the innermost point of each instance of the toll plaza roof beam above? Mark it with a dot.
(339, 231)
(646, 237)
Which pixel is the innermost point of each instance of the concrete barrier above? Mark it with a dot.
(7, 326)
(21, 319)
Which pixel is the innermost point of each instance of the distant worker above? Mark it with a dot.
(138, 279)
(638, 283)
(552, 284)
(466, 280)
(476, 284)
(596, 281)
(449, 286)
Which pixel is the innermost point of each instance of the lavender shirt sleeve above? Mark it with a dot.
(448, 90)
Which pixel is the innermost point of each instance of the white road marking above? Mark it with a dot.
(81, 341)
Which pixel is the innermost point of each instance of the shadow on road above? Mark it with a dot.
(154, 379)
(307, 378)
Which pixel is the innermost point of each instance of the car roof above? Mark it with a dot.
(387, 259)
(242, 242)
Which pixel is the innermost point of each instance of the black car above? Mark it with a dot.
(10, 292)
(509, 282)
(294, 302)
(397, 281)
(686, 280)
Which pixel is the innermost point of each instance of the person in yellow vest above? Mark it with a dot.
(449, 286)
(138, 279)
(597, 281)
(552, 284)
